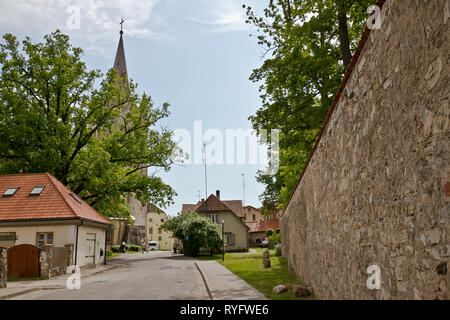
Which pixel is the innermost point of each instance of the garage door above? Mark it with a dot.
(90, 248)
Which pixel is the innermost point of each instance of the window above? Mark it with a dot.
(7, 239)
(159, 238)
(75, 198)
(162, 220)
(10, 192)
(229, 239)
(214, 217)
(254, 217)
(44, 238)
(150, 220)
(36, 192)
(159, 231)
(150, 230)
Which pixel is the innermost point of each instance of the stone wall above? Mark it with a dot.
(3, 267)
(136, 235)
(377, 188)
(54, 261)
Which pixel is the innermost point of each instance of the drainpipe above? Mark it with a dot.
(76, 243)
(104, 252)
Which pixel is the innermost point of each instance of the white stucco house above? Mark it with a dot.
(37, 209)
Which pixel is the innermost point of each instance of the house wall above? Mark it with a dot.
(233, 224)
(250, 211)
(62, 234)
(166, 241)
(118, 232)
(257, 235)
(377, 188)
(83, 246)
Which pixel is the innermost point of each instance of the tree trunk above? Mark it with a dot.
(343, 33)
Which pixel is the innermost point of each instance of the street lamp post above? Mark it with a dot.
(223, 241)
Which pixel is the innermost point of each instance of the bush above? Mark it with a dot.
(277, 230)
(109, 253)
(202, 232)
(274, 240)
(115, 249)
(134, 248)
(269, 232)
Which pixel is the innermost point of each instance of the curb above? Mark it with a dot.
(16, 294)
(13, 295)
(204, 281)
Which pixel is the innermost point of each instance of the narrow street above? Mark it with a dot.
(152, 276)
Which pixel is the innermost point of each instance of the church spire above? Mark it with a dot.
(120, 63)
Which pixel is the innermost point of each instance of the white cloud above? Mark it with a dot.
(99, 20)
(222, 16)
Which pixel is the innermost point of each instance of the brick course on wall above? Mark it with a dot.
(376, 188)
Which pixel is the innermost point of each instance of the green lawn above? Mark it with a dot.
(249, 267)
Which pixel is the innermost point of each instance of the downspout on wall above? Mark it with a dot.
(76, 243)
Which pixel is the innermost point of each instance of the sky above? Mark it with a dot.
(196, 55)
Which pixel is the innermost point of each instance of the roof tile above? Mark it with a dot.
(54, 202)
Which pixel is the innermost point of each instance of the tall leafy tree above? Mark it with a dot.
(90, 131)
(309, 44)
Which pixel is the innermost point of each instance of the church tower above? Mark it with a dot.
(137, 233)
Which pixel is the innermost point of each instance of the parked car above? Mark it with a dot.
(154, 245)
(264, 243)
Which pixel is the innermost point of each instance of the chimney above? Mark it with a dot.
(203, 200)
(218, 194)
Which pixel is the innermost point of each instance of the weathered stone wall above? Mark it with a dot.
(3, 268)
(54, 261)
(136, 235)
(377, 188)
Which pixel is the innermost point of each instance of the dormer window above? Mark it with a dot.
(75, 198)
(36, 192)
(10, 192)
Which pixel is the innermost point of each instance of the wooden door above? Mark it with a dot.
(90, 251)
(23, 261)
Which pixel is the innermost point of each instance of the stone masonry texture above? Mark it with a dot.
(377, 188)
(3, 268)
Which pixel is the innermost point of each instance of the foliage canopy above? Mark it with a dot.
(94, 133)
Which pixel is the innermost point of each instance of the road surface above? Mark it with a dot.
(152, 276)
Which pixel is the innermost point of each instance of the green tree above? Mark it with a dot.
(90, 131)
(309, 45)
(269, 232)
(201, 232)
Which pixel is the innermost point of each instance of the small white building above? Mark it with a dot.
(37, 209)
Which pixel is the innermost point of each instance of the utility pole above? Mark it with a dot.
(223, 239)
(243, 189)
(206, 176)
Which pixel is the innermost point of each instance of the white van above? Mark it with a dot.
(154, 245)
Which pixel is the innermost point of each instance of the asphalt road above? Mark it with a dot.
(152, 276)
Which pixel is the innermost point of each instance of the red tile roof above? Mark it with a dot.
(189, 207)
(54, 203)
(262, 226)
(214, 204)
(236, 206)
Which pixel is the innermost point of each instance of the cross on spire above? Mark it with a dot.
(121, 25)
